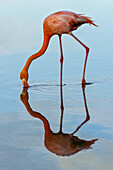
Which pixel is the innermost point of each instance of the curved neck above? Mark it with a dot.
(39, 53)
(39, 116)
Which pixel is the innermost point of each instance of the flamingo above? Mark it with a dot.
(62, 22)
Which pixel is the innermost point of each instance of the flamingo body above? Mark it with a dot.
(63, 22)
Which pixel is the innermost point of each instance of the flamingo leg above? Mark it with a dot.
(61, 60)
(87, 51)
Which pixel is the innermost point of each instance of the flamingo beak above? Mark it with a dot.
(25, 84)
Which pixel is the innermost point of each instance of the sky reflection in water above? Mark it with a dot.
(21, 135)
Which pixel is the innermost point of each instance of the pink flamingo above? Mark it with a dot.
(63, 22)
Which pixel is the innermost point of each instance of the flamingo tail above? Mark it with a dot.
(88, 20)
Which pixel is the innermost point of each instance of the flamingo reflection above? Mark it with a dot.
(62, 144)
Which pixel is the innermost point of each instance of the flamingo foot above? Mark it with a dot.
(85, 83)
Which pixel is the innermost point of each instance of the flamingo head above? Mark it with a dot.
(24, 78)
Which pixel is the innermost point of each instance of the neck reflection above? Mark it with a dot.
(62, 144)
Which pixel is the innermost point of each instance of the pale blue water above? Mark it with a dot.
(21, 135)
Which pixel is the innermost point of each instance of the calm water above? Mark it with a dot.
(24, 144)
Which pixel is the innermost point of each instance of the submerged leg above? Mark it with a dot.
(87, 51)
(61, 60)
